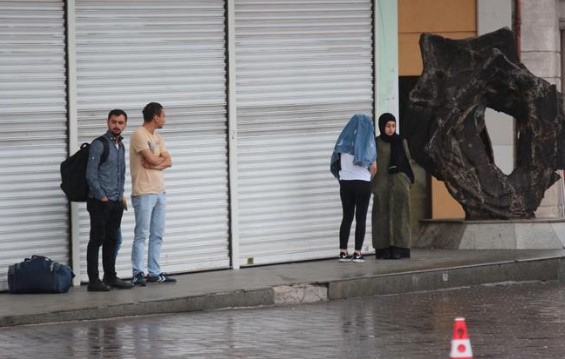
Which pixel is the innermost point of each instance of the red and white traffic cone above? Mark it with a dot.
(460, 343)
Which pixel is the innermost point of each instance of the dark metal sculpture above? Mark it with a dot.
(462, 78)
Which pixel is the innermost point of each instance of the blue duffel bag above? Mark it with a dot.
(39, 274)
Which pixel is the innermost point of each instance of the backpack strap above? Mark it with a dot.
(106, 145)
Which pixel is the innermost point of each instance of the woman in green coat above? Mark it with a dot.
(391, 217)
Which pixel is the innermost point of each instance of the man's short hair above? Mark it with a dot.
(151, 110)
(117, 112)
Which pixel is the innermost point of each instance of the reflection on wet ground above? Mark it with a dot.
(505, 321)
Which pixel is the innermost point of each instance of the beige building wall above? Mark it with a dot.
(456, 19)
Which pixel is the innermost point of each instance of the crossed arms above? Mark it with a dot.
(153, 162)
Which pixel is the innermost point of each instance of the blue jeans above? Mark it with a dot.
(149, 223)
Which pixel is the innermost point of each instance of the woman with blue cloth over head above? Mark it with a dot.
(353, 163)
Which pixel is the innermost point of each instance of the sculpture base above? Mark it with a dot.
(491, 234)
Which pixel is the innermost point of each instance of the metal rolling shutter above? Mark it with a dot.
(33, 209)
(304, 67)
(133, 52)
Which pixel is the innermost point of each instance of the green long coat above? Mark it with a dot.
(392, 213)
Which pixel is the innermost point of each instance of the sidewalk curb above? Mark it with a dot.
(529, 270)
(210, 301)
(540, 269)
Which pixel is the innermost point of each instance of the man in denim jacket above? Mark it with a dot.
(105, 203)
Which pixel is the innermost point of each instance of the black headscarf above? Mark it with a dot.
(398, 158)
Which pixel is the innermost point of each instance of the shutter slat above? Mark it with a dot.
(132, 52)
(33, 209)
(304, 67)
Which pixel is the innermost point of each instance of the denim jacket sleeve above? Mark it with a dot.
(358, 139)
(92, 178)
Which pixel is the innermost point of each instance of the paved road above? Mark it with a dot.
(511, 321)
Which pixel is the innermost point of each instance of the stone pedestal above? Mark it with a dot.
(491, 234)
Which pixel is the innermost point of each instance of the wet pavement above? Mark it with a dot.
(517, 320)
(290, 283)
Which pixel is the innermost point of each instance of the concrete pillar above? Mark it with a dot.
(386, 57)
(541, 54)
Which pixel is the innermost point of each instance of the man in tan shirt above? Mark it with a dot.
(148, 158)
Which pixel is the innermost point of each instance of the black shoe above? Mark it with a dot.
(139, 280)
(98, 286)
(161, 278)
(344, 257)
(399, 253)
(116, 282)
(358, 258)
(383, 253)
(405, 252)
(395, 255)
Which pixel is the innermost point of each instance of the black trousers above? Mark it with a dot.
(355, 197)
(105, 220)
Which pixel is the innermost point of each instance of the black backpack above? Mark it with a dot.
(73, 172)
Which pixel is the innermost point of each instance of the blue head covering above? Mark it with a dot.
(358, 139)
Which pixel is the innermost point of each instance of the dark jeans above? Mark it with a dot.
(105, 220)
(355, 197)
